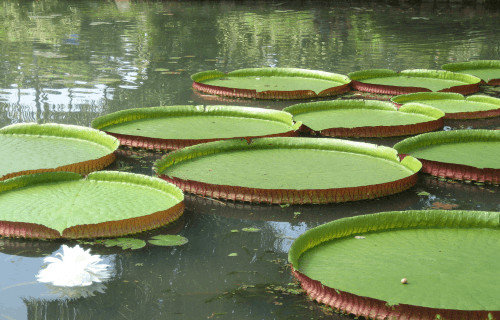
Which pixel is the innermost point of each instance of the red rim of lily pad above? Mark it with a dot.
(451, 170)
(66, 132)
(429, 97)
(434, 118)
(288, 195)
(473, 67)
(471, 83)
(371, 307)
(341, 85)
(110, 228)
(106, 122)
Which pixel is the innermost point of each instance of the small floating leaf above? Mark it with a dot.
(250, 229)
(125, 243)
(168, 240)
(424, 193)
(234, 254)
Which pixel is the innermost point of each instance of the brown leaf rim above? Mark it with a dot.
(291, 196)
(377, 309)
(270, 94)
(83, 167)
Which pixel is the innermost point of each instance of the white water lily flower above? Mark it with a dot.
(75, 267)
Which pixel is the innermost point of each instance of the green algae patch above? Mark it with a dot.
(104, 204)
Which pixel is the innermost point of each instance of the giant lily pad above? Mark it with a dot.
(359, 118)
(455, 105)
(174, 127)
(458, 154)
(104, 204)
(29, 148)
(404, 265)
(289, 170)
(487, 70)
(385, 81)
(271, 83)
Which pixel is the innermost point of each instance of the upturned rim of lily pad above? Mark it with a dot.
(165, 112)
(106, 229)
(471, 83)
(64, 131)
(380, 130)
(360, 226)
(476, 64)
(250, 93)
(423, 97)
(452, 170)
(288, 195)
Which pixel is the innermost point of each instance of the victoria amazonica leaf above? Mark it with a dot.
(104, 204)
(29, 148)
(271, 83)
(174, 127)
(359, 118)
(457, 154)
(444, 257)
(487, 70)
(288, 170)
(454, 105)
(414, 80)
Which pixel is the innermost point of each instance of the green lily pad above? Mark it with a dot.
(125, 243)
(271, 83)
(174, 127)
(454, 105)
(362, 118)
(30, 148)
(409, 264)
(168, 240)
(487, 70)
(386, 81)
(288, 170)
(458, 154)
(103, 204)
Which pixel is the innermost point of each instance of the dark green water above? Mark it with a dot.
(71, 61)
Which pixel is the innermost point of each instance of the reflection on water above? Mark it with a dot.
(69, 62)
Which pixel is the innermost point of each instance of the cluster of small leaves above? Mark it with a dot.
(167, 240)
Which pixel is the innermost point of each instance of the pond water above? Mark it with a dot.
(71, 61)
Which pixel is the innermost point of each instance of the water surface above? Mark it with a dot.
(71, 61)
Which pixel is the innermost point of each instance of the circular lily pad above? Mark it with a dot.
(175, 127)
(289, 170)
(30, 148)
(385, 81)
(424, 265)
(455, 105)
(360, 118)
(487, 70)
(271, 83)
(471, 155)
(104, 204)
